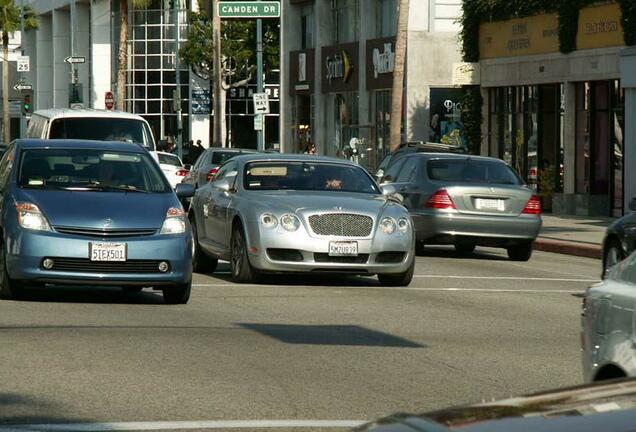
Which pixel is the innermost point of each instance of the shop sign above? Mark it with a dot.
(340, 72)
(301, 71)
(339, 67)
(519, 37)
(600, 27)
(247, 92)
(380, 63)
(200, 101)
(466, 74)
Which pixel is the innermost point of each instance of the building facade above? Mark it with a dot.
(340, 56)
(559, 119)
(90, 29)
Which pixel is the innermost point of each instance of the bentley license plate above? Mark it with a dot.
(107, 251)
(343, 248)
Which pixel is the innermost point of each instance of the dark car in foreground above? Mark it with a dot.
(467, 201)
(607, 407)
(620, 239)
(91, 213)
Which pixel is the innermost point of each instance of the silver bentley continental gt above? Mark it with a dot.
(300, 214)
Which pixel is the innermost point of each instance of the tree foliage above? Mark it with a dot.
(238, 43)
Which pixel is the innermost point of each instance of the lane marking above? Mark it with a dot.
(507, 278)
(490, 290)
(175, 425)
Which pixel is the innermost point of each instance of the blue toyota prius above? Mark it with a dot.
(91, 213)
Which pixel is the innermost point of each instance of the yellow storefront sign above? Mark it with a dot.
(519, 37)
(600, 27)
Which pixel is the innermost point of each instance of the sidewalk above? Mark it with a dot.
(573, 235)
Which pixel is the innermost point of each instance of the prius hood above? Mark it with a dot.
(97, 210)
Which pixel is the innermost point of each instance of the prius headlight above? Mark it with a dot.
(30, 217)
(175, 222)
(289, 222)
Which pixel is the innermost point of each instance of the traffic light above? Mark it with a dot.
(27, 102)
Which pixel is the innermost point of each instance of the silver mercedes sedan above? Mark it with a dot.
(300, 214)
(466, 201)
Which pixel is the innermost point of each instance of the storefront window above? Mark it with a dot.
(381, 108)
(446, 125)
(618, 104)
(346, 21)
(582, 137)
(344, 126)
(386, 18)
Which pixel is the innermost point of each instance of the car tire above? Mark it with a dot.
(242, 269)
(464, 248)
(10, 289)
(177, 294)
(201, 262)
(521, 252)
(612, 255)
(398, 279)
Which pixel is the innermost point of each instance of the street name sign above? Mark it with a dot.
(75, 60)
(249, 9)
(261, 103)
(22, 86)
(23, 64)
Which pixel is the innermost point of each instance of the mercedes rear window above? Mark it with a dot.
(471, 171)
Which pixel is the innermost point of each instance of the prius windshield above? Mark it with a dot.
(87, 169)
(308, 176)
(103, 129)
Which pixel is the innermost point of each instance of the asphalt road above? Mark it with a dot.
(467, 329)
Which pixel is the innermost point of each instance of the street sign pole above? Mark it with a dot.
(23, 123)
(177, 66)
(259, 79)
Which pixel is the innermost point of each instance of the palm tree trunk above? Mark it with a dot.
(398, 75)
(122, 57)
(6, 115)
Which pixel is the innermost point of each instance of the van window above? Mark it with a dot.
(102, 129)
(36, 126)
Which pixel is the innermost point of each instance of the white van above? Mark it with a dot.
(91, 124)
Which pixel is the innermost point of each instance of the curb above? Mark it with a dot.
(567, 248)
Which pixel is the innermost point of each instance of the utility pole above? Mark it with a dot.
(259, 80)
(23, 125)
(216, 74)
(177, 66)
(74, 97)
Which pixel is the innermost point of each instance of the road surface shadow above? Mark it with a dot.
(449, 252)
(17, 409)
(344, 335)
(89, 294)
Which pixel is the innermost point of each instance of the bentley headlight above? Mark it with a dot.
(289, 222)
(268, 220)
(387, 225)
(403, 224)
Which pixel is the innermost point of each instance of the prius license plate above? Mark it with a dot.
(343, 248)
(490, 204)
(107, 251)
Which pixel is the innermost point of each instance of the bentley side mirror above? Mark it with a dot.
(222, 185)
(391, 192)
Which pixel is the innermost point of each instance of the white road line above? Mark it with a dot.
(507, 278)
(487, 290)
(175, 425)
